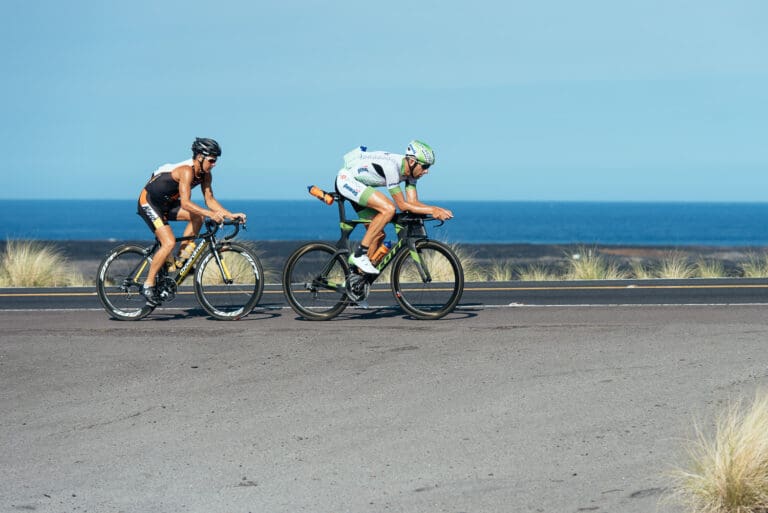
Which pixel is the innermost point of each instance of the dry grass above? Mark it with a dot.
(728, 471)
(756, 266)
(271, 274)
(500, 270)
(440, 267)
(536, 272)
(641, 272)
(709, 268)
(587, 264)
(239, 268)
(472, 271)
(33, 264)
(675, 265)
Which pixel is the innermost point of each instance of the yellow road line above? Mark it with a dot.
(473, 289)
(83, 294)
(622, 287)
(46, 294)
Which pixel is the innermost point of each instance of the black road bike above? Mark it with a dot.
(426, 276)
(228, 276)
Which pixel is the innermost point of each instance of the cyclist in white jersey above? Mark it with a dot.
(363, 171)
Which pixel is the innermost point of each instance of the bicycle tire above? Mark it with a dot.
(313, 279)
(234, 300)
(119, 279)
(428, 300)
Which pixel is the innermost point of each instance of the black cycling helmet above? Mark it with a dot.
(206, 147)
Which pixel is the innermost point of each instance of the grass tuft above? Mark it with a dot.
(472, 271)
(239, 268)
(501, 270)
(33, 264)
(675, 266)
(536, 272)
(587, 264)
(642, 272)
(728, 471)
(756, 266)
(709, 268)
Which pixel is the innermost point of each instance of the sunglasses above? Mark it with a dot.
(212, 160)
(424, 166)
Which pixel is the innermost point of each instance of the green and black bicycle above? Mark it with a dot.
(426, 277)
(228, 277)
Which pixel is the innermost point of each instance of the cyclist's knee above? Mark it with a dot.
(387, 211)
(166, 246)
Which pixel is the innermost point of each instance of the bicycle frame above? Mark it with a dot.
(209, 238)
(400, 221)
(427, 281)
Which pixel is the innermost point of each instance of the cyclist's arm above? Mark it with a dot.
(213, 204)
(185, 192)
(410, 203)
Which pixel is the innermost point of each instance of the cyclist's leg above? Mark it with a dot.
(379, 209)
(167, 242)
(195, 222)
(368, 214)
(157, 221)
(385, 211)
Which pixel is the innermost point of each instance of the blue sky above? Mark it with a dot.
(548, 100)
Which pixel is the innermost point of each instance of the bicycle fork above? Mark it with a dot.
(421, 265)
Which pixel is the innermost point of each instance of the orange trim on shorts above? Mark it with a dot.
(157, 222)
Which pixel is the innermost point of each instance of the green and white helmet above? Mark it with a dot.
(421, 151)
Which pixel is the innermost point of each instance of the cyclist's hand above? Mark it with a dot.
(441, 214)
(217, 217)
(240, 217)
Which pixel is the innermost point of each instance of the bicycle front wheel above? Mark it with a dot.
(313, 281)
(120, 277)
(229, 288)
(428, 283)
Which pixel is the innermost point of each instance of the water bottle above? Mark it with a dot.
(184, 255)
(320, 194)
(170, 264)
(381, 251)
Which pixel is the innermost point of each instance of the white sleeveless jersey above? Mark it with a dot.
(167, 168)
(378, 169)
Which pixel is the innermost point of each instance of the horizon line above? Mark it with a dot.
(438, 200)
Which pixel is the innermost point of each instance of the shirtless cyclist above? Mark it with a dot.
(366, 170)
(167, 197)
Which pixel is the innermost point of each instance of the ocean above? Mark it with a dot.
(482, 222)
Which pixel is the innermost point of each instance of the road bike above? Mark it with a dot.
(228, 276)
(426, 277)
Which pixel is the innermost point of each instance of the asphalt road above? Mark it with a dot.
(620, 292)
(493, 409)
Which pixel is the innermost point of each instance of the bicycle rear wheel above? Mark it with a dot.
(313, 281)
(231, 291)
(120, 277)
(429, 283)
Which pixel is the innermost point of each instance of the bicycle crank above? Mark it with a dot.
(167, 289)
(357, 288)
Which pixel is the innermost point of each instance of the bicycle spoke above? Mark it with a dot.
(120, 278)
(231, 290)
